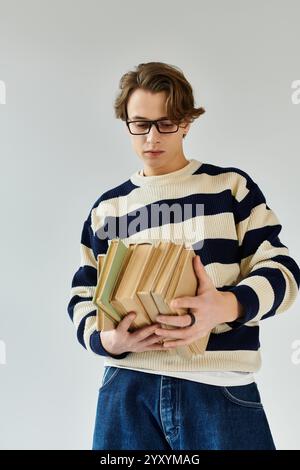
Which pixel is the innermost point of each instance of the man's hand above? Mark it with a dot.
(120, 340)
(210, 308)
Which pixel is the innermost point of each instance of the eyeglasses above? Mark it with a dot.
(143, 127)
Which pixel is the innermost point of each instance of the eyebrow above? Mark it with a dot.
(141, 117)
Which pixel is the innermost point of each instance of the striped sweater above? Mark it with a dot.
(236, 236)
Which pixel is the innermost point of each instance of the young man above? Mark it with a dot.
(149, 397)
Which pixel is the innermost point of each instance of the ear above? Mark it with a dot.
(186, 127)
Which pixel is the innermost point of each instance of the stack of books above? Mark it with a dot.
(144, 278)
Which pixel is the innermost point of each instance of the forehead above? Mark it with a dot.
(144, 104)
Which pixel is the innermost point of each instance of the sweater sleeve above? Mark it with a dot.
(81, 309)
(269, 275)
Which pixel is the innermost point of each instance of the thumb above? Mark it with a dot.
(204, 281)
(125, 323)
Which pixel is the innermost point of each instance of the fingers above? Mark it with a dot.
(176, 320)
(154, 345)
(180, 342)
(157, 347)
(171, 343)
(177, 333)
(125, 323)
(144, 337)
(151, 340)
(141, 333)
(185, 302)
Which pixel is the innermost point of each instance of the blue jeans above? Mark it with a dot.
(141, 411)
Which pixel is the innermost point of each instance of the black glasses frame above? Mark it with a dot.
(150, 125)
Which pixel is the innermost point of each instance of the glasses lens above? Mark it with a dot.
(142, 127)
(167, 126)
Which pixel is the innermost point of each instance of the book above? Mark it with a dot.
(144, 277)
(124, 298)
(115, 256)
(148, 281)
(184, 283)
(104, 321)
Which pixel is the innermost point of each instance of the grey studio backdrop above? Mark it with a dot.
(61, 147)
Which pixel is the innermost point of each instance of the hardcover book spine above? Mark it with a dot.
(148, 304)
(131, 305)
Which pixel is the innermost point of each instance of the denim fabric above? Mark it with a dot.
(142, 411)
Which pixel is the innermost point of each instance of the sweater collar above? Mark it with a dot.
(139, 179)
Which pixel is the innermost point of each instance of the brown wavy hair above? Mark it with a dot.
(157, 77)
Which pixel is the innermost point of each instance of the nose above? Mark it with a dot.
(153, 134)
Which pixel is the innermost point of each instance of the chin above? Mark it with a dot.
(154, 160)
